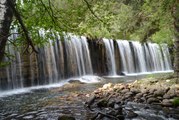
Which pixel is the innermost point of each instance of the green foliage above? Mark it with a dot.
(125, 19)
(175, 102)
(163, 36)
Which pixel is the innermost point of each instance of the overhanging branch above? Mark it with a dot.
(18, 17)
(89, 7)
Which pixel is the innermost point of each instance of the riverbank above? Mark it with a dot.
(118, 101)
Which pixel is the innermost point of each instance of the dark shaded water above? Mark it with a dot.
(48, 104)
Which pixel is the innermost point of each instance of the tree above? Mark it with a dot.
(5, 22)
(175, 13)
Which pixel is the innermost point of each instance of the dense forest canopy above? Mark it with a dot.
(132, 20)
(142, 20)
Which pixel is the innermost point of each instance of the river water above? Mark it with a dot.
(50, 103)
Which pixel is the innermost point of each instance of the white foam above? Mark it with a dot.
(137, 74)
(85, 79)
(146, 73)
(29, 89)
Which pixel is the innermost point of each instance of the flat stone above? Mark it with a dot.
(151, 100)
(130, 93)
(139, 95)
(124, 91)
(171, 92)
(152, 90)
(166, 96)
(159, 92)
(166, 102)
(145, 91)
(135, 91)
(149, 96)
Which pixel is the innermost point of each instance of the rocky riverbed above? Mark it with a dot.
(146, 99)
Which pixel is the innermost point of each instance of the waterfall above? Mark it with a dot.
(166, 56)
(70, 56)
(156, 56)
(139, 57)
(109, 45)
(126, 56)
(87, 58)
(13, 71)
(78, 56)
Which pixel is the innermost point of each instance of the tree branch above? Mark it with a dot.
(51, 15)
(89, 7)
(18, 17)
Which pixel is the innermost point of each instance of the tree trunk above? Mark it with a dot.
(5, 22)
(176, 33)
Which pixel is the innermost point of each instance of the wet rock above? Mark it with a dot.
(29, 117)
(111, 103)
(66, 117)
(120, 117)
(119, 101)
(151, 100)
(112, 112)
(127, 96)
(106, 118)
(76, 82)
(102, 103)
(10, 117)
(117, 107)
(142, 99)
(122, 73)
(131, 114)
(90, 101)
(175, 116)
